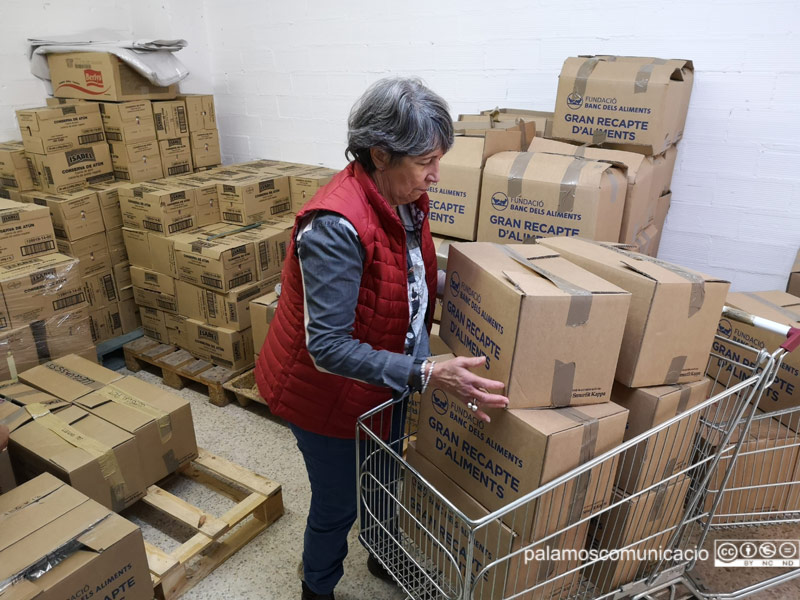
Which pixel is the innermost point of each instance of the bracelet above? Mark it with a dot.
(427, 378)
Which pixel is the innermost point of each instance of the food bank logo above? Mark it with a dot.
(93, 78)
(440, 402)
(455, 284)
(499, 201)
(574, 101)
(725, 328)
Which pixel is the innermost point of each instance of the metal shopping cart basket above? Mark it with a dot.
(622, 524)
(759, 507)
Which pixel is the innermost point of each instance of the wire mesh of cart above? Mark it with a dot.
(627, 521)
(762, 491)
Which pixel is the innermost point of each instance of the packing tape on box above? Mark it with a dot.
(792, 316)
(581, 299)
(669, 468)
(642, 79)
(115, 394)
(563, 382)
(643, 239)
(683, 401)
(52, 559)
(698, 289)
(516, 173)
(582, 76)
(170, 462)
(569, 184)
(74, 376)
(658, 507)
(674, 371)
(106, 459)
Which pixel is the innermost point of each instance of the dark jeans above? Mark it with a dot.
(331, 466)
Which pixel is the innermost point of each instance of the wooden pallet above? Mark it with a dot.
(178, 366)
(216, 538)
(244, 389)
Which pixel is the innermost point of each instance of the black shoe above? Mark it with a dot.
(309, 595)
(378, 570)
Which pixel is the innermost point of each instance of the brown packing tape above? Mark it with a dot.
(516, 173)
(170, 462)
(599, 136)
(658, 507)
(697, 293)
(674, 371)
(548, 128)
(643, 76)
(115, 394)
(39, 333)
(569, 185)
(792, 316)
(563, 381)
(582, 77)
(591, 427)
(669, 468)
(581, 299)
(75, 376)
(642, 239)
(683, 401)
(106, 459)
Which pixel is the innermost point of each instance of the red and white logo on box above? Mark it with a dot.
(93, 78)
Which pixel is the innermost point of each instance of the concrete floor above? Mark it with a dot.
(266, 569)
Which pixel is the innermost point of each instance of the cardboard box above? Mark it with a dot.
(116, 245)
(177, 329)
(101, 76)
(262, 311)
(108, 196)
(542, 119)
(521, 450)
(92, 252)
(153, 323)
(136, 162)
(165, 302)
(9, 194)
(303, 186)
(25, 231)
(160, 421)
(47, 130)
(200, 111)
(454, 199)
(94, 456)
(51, 101)
(39, 288)
(641, 196)
(128, 122)
(7, 479)
(793, 286)
(205, 148)
(631, 525)
(170, 119)
(176, 156)
(160, 208)
(535, 194)
(523, 305)
(627, 102)
(152, 280)
(69, 377)
(75, 215)
(23, 348)
(74, 170)
(16, 168)
(103, 552)
(662, 207)
(218, 345)
(231, 310)
(101, 289)
(246, 198)
(219, 264)
(784, 393)
(122, 275)
(667, 452)
(673, 315)
(664, 165)
(270, 241)
(114, 320)
(206, 196)
(765, 481)
(128, 313)
(483, 125)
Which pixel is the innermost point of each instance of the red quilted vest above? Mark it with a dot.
(286, 376)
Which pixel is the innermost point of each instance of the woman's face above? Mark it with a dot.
(404, 180)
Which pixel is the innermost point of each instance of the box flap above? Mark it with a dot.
(69, 377)
(774, 305)
(21, 395)
(13, 416)
(631, 160)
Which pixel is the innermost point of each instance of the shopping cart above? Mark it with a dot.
(577, 536)
(761, 498)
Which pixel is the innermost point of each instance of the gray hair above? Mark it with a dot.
(401, 116)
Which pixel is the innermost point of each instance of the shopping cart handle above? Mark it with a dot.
(792, 333)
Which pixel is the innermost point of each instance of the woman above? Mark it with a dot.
(358, 289)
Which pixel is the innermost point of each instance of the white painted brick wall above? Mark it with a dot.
(285, 74)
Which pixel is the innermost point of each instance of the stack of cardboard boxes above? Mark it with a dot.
(620, 343)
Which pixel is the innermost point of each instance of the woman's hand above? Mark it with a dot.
(455, 377)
